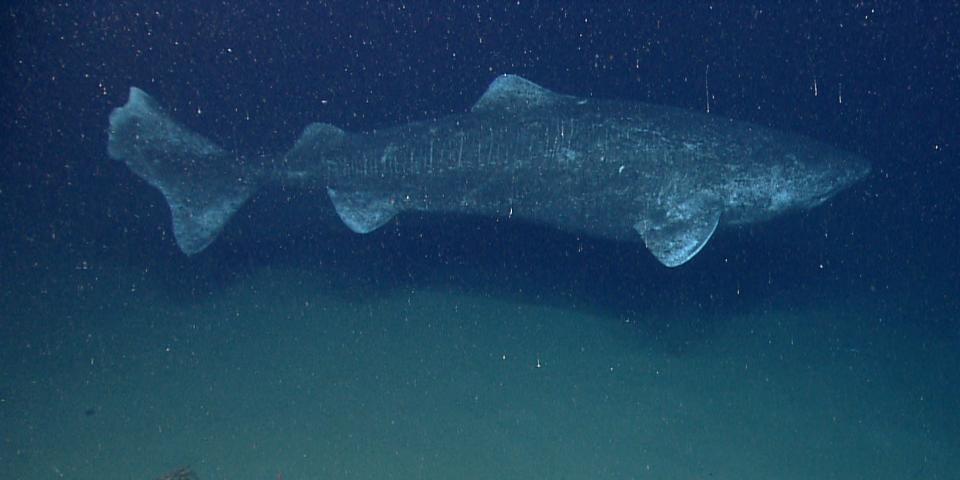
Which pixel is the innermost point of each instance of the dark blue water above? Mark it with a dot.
(89, 268)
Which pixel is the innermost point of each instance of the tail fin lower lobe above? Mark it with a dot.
(203, 184)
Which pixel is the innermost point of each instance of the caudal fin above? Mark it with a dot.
(203, 184)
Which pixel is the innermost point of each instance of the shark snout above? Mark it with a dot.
(842, 171)
(854, 169)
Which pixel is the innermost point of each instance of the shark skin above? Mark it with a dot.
(606, 168)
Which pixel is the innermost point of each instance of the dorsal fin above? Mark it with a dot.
(512, 92)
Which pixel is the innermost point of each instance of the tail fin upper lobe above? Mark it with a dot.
(203, 184)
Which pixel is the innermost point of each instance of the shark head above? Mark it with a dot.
(789, 176)
(784, 175)
(820, 172)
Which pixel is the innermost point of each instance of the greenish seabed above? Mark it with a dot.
(274, 374)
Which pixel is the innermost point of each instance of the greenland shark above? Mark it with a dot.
(606, 168)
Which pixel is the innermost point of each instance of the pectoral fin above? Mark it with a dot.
(676, 233)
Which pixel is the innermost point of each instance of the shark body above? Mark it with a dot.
(614, 169)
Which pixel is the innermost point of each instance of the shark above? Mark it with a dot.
(622, 170)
